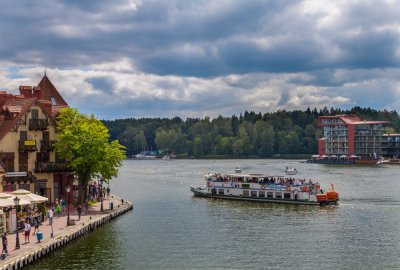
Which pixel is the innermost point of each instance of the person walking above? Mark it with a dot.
(35, 224)
(108, 192)
(50, 213)
(79, 211)
(58, 210)
(27, 231)
(63, 205)
(5, 244)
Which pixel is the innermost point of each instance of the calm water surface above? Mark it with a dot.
(170, 229)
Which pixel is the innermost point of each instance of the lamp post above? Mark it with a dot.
(68, 189)
(16, 202)
(101, 194)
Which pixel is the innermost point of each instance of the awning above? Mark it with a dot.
(27, 195)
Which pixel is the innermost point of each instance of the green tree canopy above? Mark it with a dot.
(83, 142)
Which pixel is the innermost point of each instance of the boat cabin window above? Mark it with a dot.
(253, 193)
(270, 194)
(261, 194)
(246, 193)
(278, 195)
(245, 185)
(286, 195)
(213, 191)
(221, 191)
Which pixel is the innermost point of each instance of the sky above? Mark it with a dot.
(164, 58)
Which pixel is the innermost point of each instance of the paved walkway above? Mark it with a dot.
(59, 227)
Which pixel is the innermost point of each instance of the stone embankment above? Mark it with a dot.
(63, 234)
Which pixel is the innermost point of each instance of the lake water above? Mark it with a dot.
(170, 229)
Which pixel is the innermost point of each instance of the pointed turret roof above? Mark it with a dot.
(50, 93)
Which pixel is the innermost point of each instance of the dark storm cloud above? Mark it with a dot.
(154, 34)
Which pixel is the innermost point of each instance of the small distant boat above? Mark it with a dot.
(389, 161)
(290, 171)
(143, 156)
(264, 188)
(169, 157)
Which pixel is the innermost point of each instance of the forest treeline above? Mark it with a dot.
(248, 135)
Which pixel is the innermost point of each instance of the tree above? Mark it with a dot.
(83, 142)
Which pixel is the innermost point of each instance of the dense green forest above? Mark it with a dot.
(247, 135)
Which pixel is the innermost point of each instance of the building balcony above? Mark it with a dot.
(41, 167)
(47, 146)
(38, 124)
(27, 146)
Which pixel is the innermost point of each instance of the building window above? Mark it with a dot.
(23, 136)
(26, 186)
(42, 156)
(34, 114)
(23, 161)
(46, 136)
(40, 188)
(53, 101)
(7, 164)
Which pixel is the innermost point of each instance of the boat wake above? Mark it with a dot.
(375, 202)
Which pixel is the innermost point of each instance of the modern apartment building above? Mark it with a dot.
(349, 136)
(27, 136)
(391, 146)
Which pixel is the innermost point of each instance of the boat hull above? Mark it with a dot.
(202, 193)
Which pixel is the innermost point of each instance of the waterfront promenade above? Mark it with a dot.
(62, 234)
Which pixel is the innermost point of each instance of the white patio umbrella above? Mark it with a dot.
(27, 195)
(334, 156)
(343, 156)
(7, 200)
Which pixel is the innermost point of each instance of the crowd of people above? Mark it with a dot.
(54, 211)
(264, 180)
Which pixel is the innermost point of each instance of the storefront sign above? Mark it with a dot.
(16, 174)
(30, 143)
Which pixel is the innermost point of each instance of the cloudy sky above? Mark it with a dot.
(165, 58)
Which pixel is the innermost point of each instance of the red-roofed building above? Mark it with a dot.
(27, 136)
(348, 135)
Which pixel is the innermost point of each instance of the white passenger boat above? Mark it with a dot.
(264, 188)
(290, 171)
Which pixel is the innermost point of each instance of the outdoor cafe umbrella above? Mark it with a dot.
(7, 200)
(27, 195)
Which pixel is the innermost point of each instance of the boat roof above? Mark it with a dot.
(252, 175)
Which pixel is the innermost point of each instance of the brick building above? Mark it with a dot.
(27, 136)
